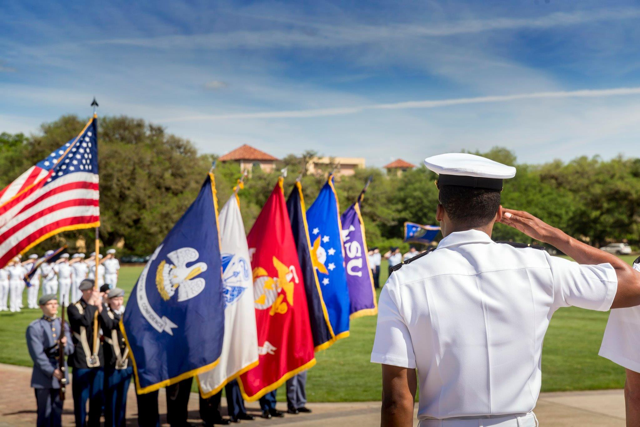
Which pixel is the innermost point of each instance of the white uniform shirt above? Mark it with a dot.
(92, 273)
(80, 270)
(471, 317)
(47, 272)
(64, 271)
(35, 277)
(395, 259)
(410, 255)
(111, 266)
(621, 342)
(377, 259)
(16, 273)
(4, 275)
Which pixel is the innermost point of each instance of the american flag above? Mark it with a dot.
(60, 193)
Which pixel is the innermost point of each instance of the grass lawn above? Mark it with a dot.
(343, 373)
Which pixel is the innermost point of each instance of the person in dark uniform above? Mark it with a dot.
(117, 369)
(210, 407)
(148, 411)
(268, 406)
(297, 394)
(86, 317)
(178, 402)
(43, 340)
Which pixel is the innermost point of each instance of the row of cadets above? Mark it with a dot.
(394, 257)
(12, 285)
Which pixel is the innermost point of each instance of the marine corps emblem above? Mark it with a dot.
(275, 293)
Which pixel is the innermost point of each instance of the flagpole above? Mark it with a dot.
(95, 105)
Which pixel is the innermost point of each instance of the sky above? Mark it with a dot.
(548, 79)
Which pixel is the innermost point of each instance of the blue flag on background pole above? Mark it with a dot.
(325, 233)
(321, 331)
(418, 233)
(174, 321)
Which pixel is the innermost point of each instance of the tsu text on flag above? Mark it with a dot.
(174, 322)
(284, 336)
(321, 330)
(362, 294)
(240, 346)
(326, 240)
(59, 193)
(418, 233)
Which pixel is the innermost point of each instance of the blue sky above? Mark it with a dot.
(381, 80)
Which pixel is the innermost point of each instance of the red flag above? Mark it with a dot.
(285, 343)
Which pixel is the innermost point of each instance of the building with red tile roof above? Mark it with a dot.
(248, 157)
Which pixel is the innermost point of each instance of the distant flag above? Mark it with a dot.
(51, 258)
(285, 344)
(362, 294)
(418, 233)
(328, 258)
(59, 193)
(321, 330)
(174, 322)
(240, 346)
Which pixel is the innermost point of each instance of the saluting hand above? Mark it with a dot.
(529, 225)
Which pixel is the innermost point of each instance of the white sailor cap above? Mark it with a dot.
(75, 256)
(100, 256)
(468, 170)
(81, 255)
(111, 251)
(93, 254)
(48, 253)
(33, 256)
(64, 255)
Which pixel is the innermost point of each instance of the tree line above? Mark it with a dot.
(149, 177)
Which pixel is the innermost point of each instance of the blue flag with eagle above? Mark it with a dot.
(174, 321)
(327, 255)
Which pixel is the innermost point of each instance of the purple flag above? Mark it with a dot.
(359, 277)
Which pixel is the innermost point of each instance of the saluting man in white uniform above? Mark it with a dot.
(65, 278)
(4, 289)
(80, 270)
(34, 281)
(99, 278)
(111, 267)
(621, 345)
(471, 316)
(49, 277)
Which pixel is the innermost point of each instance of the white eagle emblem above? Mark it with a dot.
(178, 276)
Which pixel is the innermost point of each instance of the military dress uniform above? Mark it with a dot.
(16, 286)
(87, 360)
(49, 278)
(471, 317)
(80, 270)
(42, 342)
(4, 289)
(65, 277)
(117, 369)
(34, 282)
(111, 267)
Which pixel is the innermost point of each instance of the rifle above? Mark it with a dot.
(63, 381)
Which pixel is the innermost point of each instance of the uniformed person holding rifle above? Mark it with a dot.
(48, 343)
(87, 317)
(467, 320)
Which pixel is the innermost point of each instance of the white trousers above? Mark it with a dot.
(32, 295)
(15, 288)
(4, 295)
(521, 420)
(76, 294)
(50, 287)
(111, 280)
(65, 288)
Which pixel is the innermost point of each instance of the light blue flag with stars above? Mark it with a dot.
(327, 256)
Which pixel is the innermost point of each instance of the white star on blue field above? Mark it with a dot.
(545, 78)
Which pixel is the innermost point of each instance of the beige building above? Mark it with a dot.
(248, 157)
(397, 167)
(344, 166)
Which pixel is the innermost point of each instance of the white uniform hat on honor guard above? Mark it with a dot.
(468, 170)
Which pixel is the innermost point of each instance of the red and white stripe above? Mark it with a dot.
(31, 176)
(66, 202)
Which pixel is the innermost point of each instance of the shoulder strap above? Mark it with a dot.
(410, 260)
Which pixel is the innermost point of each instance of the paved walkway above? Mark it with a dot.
(585, 409)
